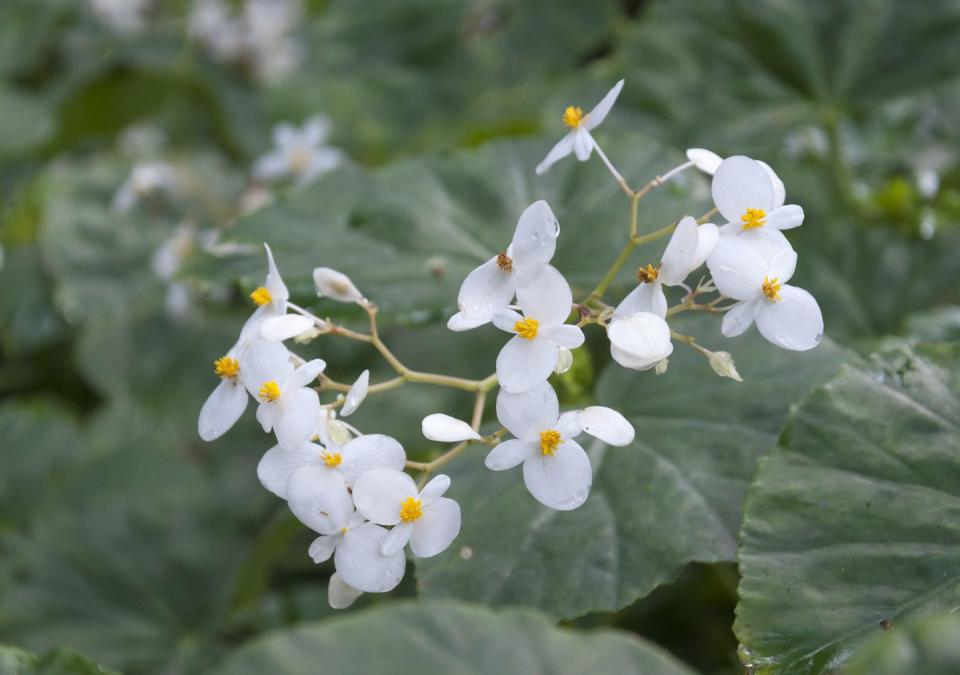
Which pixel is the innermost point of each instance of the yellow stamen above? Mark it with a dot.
(527, 328)
(753, 218)
(226, 366)
(331, 459)
(573, 116)
(549, 441)
(298, 160)
(410, 510)
(261, 296)
(648, 274)
(270, 391)
(504, 262)
(771, 288)
(343, 530)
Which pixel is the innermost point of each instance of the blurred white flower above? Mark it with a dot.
(146, 179)
(578, 140)
(299, 154)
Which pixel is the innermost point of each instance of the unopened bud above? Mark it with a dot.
(335, 285)
(661, 367)
(723, 365)
(308, 335)
(564, 361)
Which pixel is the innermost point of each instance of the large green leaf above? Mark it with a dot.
(854, 519)
(670, 498)
(447, 638)
(60, 661)
(924, 646)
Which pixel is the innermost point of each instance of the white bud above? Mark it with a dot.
(335, 285)
(705, 160)
(661, 367)
(446, 429)
(564, 361)
(723, 365)
(308, 335)
(358, 392)
(338, 432)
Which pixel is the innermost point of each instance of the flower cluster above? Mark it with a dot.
(350, 487)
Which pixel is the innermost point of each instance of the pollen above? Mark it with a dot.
(331, 459)
(261, 296)
(504, 262)
(771, 288)
(270, 391)
(410, 510)
(573, 116)
(648, 274)
(527, 328)
(549, 441)
(753, 218)
(226, 367)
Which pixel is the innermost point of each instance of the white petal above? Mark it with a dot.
(681, 253)
(315, 130)
(461, 322)
(368, 452)
(280, 328)
(647, 297)
(322, 547)
(783, 265)
(608, 425)
(222, 409)
(640, 341)
(271, 166)
(335, 285)
(397, 538)
(526, 415)
(785, 217)
(358, 392)
(563, 148)
(740, 183)
(560, 481)
(319, 499)
(765, 241)
(549, 300)
(278, 464)
(535, 239)
(779, 191)
(285, 135)
(274, 283)
(446, 429)
(322, 160)
(707, 236)
(378, 494)
(737, 269)
(507, 454)
(582, 143)
(361, 563)
(705, 160)
(602, 109)
(793, 322)
(486, 291)
(569, 424)
(266, 414)
(435, 489)
(341, 595)
(740, 317)
(264, 361)
(304, 375)
(567, 335)
(436, 529)
(295, 417)
(523, 364)
(506, 319)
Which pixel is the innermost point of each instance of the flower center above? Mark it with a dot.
(771, 288)
(648, 274)
(504, 262)
(261, 296)
(573, 116)
(410, 510)
(331, 459)
(527, 328)
(299, 160)
(753, 218)
(270, 391)
(226, 367)
(549, 441)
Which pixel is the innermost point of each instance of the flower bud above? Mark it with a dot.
(661, 367)
(705, 160)
(723, 365)
(335, 285)
(564, 361)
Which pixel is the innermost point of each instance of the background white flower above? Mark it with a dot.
(299, 153)
(578, 140)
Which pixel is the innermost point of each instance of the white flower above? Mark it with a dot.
(704, 160)
(340, 594)
(556, 470)
(270, 320)
(299, 153)
(358, 392)
(226, 404)
(489, 288)
(639, 341)
(287, 406)
(446, 429)
(751, 197)
(145, 179)
(539, 335)
(124, 17)
(350, 460)
(335, 285)
(322, 502)
(787, 316)
(427, 519)
(578, 140)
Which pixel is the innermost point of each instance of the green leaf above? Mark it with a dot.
(670, 498)
(924, 646)
(854, 519)
(447, 638)
(27, 123)
(58, 661)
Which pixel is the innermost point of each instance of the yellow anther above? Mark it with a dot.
(299, 160)
(410, 510)
(527, 328)
(343, 530)
(331, 459)
(549, 441)
(270, 391)
(261, 296)
(504, 262)
(753, 218)
(226, 366)
(648, 274)
(573, 116)
(771, 288)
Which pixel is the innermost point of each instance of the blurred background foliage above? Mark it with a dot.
(126, 538)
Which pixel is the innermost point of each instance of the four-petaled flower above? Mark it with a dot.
(299, 153)
(578, 140)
